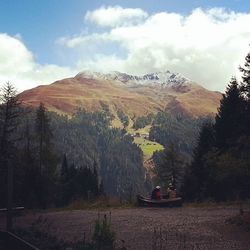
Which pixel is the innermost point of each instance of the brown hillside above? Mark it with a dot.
(66, 95)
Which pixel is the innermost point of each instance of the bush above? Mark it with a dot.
(103, 237)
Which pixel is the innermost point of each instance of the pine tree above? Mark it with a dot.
(95, 187)
(64, 182)
(169, 168)
(245, 88)
(44, 135)
(197, 175)
(9, 114)
(245, 85)
(64, 169)
(101, 188)
(228, 125)
(46, 157)
(31, 172)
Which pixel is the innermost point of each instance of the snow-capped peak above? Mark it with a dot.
(162, 78)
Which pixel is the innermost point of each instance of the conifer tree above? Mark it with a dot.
(46, 157)
(9, 114)
(169, 168)
(245, 88)
(64, 182)
(245, 85)
(64, 169)
(228, 120)
(196, 179)
(95, 180)
(44, 134)
(31, 172)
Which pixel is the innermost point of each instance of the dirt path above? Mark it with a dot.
(151, 228)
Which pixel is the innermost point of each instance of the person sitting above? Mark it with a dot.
(156, 193)
(171, 192)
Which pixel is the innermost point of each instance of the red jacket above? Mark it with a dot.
(158, 194)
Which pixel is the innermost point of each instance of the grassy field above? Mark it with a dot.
(147, 147)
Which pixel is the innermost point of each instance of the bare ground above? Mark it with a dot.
(149, 228)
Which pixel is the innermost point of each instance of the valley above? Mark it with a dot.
(126, 98)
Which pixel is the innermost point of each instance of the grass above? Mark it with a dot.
(214, 204)
(242, 220)
(103, 238)
(99, 203)
(116, 123)
(148, 147)
(114, 202)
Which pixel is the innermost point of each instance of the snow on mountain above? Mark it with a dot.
(166, 78)
(134, 95)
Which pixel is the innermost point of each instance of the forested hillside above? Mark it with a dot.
(177, 129)
(57, 160)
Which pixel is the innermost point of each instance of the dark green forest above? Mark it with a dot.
(177, 129)
(143, 121)
(57, 159)
(220, 169)
(178, 134)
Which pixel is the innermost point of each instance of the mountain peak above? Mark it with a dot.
(166, 78)
(134, 95)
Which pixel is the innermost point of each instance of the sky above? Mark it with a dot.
(44, 41)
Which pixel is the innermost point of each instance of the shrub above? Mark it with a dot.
(103, 237)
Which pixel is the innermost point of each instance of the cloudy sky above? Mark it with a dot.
(43, 41)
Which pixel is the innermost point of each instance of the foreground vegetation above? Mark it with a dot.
(103, 237)
(138, 228)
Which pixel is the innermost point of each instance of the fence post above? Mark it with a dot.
(10, 196)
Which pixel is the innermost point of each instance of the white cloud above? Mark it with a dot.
(18, 66)
(115, 16)
(85, 40)
(102, 63)
(206, 45)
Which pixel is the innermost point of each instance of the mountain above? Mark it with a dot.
(134, 95)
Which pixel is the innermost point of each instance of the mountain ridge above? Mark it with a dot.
(162, 78)
(134, 95)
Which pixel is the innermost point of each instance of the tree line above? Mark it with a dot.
(55, 159)
(220, 168)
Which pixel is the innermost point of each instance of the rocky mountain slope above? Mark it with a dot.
(134, 95)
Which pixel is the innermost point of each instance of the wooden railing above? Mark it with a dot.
(15, 210)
